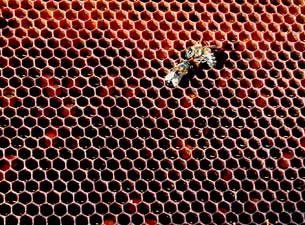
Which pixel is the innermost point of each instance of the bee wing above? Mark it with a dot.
(169, 76)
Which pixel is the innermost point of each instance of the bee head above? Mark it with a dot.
(189, 53)
(173, 83)
(169, 84)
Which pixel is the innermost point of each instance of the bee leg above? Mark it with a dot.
(202, 59)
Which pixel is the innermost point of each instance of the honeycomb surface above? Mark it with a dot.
(90, 133)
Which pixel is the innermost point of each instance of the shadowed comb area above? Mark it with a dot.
(91, 134)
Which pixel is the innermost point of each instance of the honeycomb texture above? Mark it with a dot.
(90, 134)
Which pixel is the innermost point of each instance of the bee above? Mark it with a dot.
(173, 78)
(201, 54)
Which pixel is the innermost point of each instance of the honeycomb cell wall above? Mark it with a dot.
(91, 134)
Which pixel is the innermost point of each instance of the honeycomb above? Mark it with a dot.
(90, 133)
